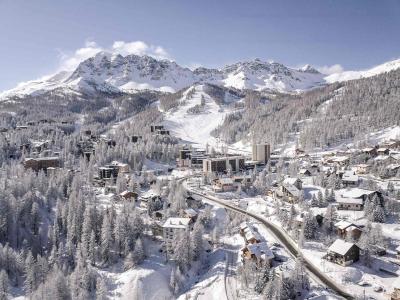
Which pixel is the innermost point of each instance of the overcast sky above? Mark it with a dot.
(42, 36)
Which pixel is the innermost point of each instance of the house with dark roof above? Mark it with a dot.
(343, 253)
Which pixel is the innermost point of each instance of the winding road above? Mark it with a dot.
(283, 238)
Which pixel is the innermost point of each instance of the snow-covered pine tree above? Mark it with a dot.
(106, 240)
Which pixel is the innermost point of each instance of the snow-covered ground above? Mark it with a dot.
(196, 128)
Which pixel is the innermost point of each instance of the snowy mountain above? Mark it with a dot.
(351, 75)
(111, 73)
(106, 72)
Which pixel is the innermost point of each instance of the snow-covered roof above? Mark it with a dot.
(225, 181)
(356, 193)
(350, 176)
(343, 224)
(191, 212)
(181, 223)
(249, 234)
(340, 159)
(261, 250)
(340, 247)
(243, 225)
(292, 189)
(350, 200)
(290, 180)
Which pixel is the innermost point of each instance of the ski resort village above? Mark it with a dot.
(218, 166)
(194, 195)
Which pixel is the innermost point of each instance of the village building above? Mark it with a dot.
(370, 151)
(391, 144)
(383, 151)
(191, 214)
(305, 172)
(224, 164)
(261, 153)
(346, 229)
(349, 178)
(249, 234)
(41, 163)
(172, 228)
(259, 253)
(339, 160)
(224, 184)
(343, 253)
(290, 189)
(128, 196)
(362, 169)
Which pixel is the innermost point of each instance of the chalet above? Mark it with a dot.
(172, 228)
(343, 253)
(370, 151)
(259, 252)
(362, 169)
(350, 203)
(224, 184)
(290, 189)
(383, 151)
(340, 160)
(128, 195)
(249, 234)
(359, 193)
(391, 144)
(349, 178)
(305, 172)
(347, 229)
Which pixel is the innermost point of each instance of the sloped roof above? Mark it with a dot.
(261, 250)
(350, 176)
(180, 223)
(343, 224)
(356, 193)
(340, 247)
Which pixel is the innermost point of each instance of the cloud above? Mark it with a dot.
(69, 61)
(328, 70)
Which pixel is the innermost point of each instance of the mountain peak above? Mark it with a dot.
(309, 69)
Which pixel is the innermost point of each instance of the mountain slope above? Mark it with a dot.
(351, 75)
(110, 73)
(198, 113)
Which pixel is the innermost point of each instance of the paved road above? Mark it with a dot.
(284, 239)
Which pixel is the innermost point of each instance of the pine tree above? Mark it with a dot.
(138, 253)
(30, 274)
(101, 289)
(378, 214)
(92, 249)
(197, 240)
(4, 283)
(106, 240)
